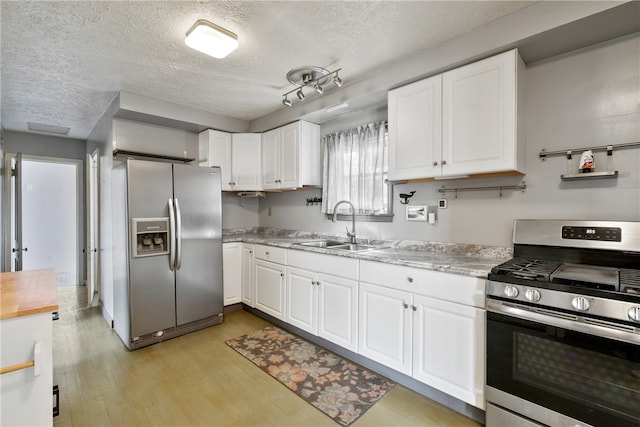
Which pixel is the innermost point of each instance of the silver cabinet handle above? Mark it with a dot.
(410, 279)
(435, 163)
(414, 308)
(444, 162)
(405, 305)
(172, 236)
(178, 236)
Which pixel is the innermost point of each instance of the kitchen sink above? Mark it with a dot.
(357, 247)
(324, 243)
(343, 246)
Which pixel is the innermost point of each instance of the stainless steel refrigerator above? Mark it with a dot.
(167, 250)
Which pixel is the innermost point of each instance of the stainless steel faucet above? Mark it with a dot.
(352, 234)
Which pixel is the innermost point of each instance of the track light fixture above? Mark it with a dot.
(315, 77)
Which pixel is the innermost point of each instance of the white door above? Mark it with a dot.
(231, 272)
(338, 310)
(479, 116)
(246, 161)
(49, 210)
(302, 306)
(269, 284)
(93, 226)
(247, 275)
(415, 130)
(385, 326)
(449, 348)
(270, 159)
(289, 156)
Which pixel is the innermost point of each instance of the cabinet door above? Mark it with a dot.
(449, 348)
(384, 333)
(415, 130)
(247, 275)
(232, 272)
(479, 116)
(302, 307)
(246, 161)
(215, 146)
(269, 286)
(270, 159)
(26, 398)
(290, 156)
(338, 310)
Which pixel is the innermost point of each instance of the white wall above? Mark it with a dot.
(589, 97)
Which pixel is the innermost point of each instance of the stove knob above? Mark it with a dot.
(532, 295)
(634, 313)
(511, 291)
(580, 303)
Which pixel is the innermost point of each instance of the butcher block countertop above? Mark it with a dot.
(27, 292)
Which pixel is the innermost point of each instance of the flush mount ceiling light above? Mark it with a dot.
(310, 76)
(211, 39)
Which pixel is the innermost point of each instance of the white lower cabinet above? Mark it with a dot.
(269, 280)
(231, 272)
(448, 348)
(247, 291)
(385, 326)
(425, 324)
(323, 304)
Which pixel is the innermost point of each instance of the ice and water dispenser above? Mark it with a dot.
(150, 236)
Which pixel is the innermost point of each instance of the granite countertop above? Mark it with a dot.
(467, 260)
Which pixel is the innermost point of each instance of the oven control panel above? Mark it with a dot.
(607, 234)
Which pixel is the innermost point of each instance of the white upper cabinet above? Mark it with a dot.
(291, 157)
(415, 129)
(479, 116)
(238, 156)
(460, 123)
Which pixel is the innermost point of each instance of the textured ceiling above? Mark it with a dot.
(62, 63)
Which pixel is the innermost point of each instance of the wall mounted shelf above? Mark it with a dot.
(572, 176)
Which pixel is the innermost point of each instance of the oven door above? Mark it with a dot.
(573, 368)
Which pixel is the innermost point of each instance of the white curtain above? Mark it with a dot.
(355, 169)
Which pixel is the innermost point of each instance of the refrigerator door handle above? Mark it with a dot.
(178, 236)
(172, 236)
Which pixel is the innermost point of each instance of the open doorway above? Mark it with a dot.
(45, 217)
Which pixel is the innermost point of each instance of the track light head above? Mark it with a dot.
(299, 94)
(286, 101)
(337, 80)
(318, 88)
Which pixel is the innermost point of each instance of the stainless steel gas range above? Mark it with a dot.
(563, 326)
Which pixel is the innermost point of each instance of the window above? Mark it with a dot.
(356, 169)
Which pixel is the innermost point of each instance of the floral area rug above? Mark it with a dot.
(337, 387)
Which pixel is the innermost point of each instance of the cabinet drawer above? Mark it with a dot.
(449, 287)
(270, 253)
(328, 264)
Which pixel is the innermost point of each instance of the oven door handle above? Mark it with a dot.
(615, 331)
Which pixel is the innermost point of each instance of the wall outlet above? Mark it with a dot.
(442, 204)
(432, 210)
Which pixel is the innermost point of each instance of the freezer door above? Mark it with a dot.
(197, 192)
(151, 283)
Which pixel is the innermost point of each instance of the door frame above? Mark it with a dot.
(7, 215)
(90, 212)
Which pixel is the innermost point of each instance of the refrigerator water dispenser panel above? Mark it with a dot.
(150, 236)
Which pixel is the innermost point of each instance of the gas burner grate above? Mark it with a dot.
(523, 268)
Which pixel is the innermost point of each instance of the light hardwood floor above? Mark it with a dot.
(192, 380)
